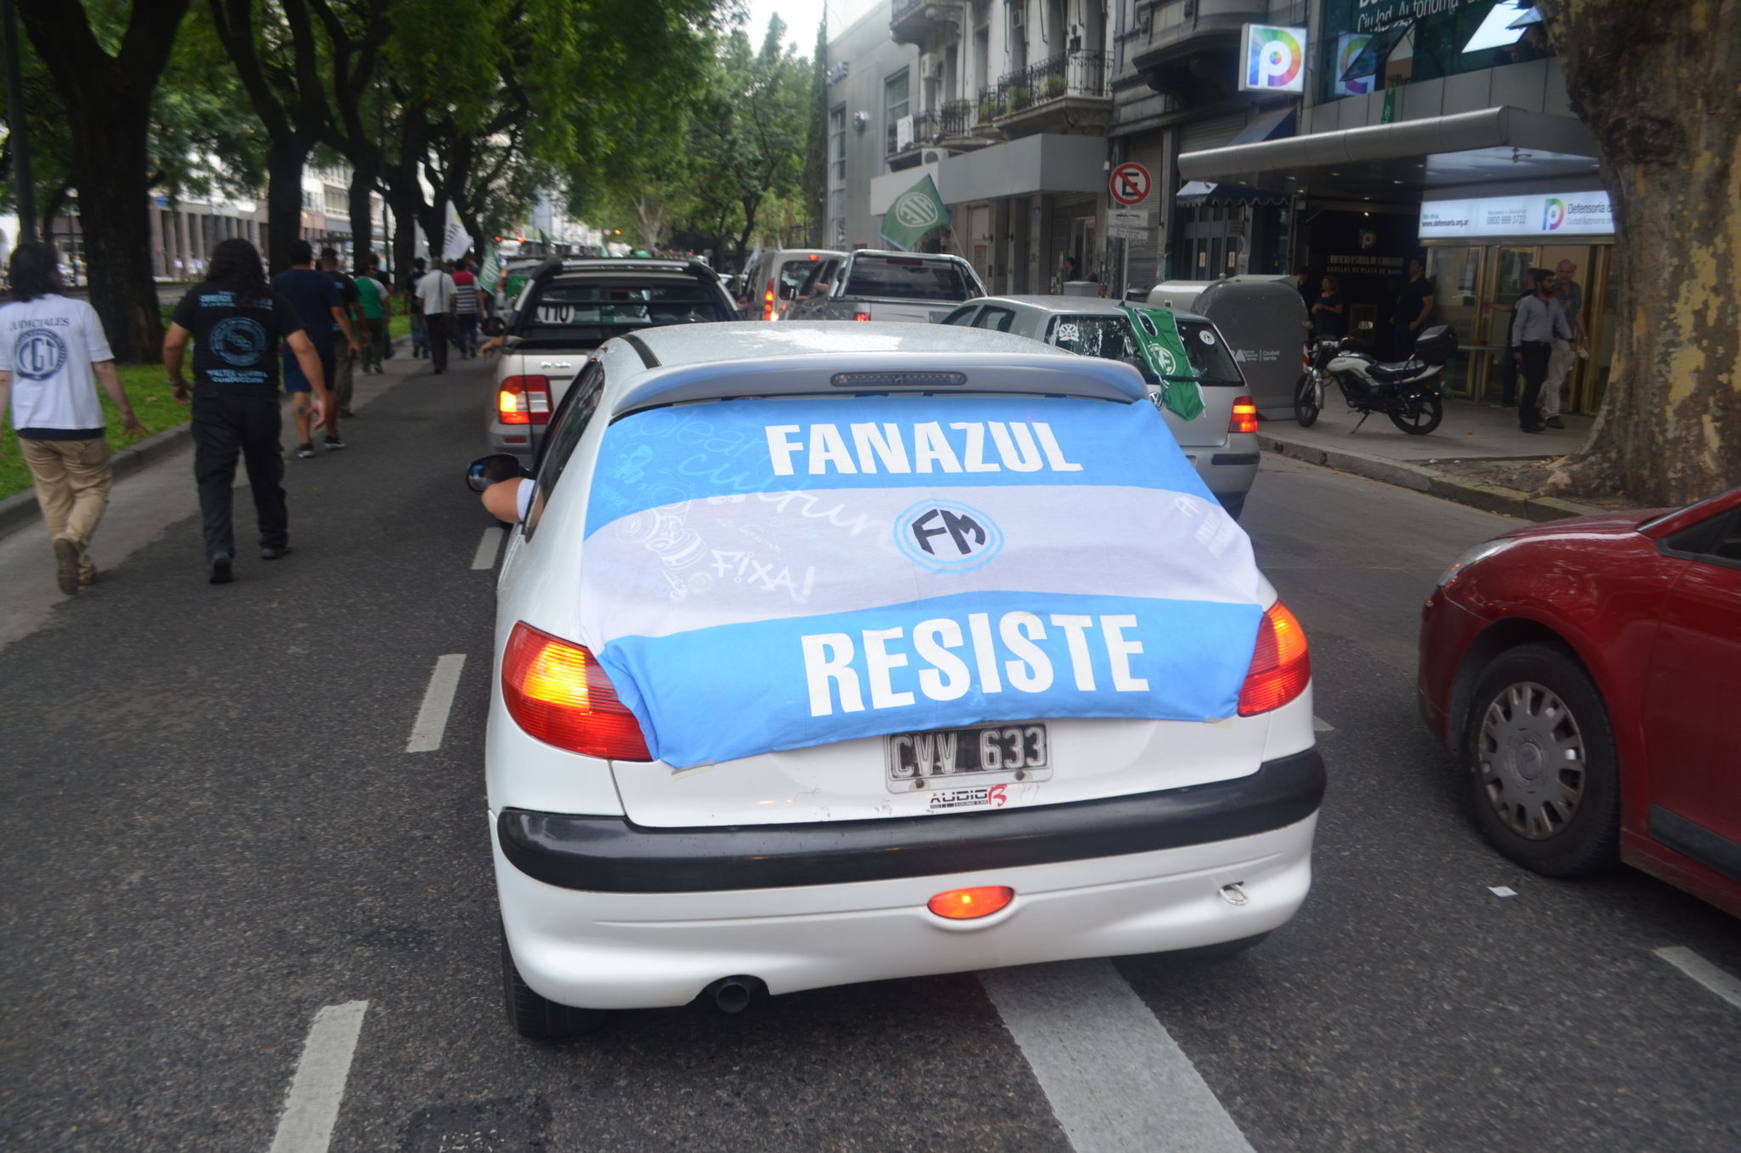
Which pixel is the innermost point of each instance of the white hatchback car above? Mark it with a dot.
(833, 653)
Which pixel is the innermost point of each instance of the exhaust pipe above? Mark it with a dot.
(732, 994)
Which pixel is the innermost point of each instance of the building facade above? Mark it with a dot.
(1244, 137)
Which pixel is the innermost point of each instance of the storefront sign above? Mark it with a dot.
(1371, 15)
(1348, 46)
(1274, 59)
(1129, 223)
(1562, 214)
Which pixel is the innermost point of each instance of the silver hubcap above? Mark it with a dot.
(1531, 760)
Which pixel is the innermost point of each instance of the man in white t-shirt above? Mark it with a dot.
(435, 293)
(51, 347)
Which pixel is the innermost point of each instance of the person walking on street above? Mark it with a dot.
(237, 322)
(377, 307)
(343, 382)
(465, 310)
(414, 306)
(318, 306)
(1413, 306)
(435, 293)
(1570, 294)
(1539, 322)
(51, 347)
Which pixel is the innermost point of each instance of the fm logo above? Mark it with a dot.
(945, 536)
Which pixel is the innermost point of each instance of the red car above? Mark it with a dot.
(1587, 672)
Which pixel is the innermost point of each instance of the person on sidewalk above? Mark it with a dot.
(465, 310)
(1570, 294)
(1413, 306)
(1508, 371)
(1330, 312)
(237, 320)
(1538, 323)
(343, 383)
(51, 346)
(435, 294)
(319, 307)
(414, 308)
(377, 307)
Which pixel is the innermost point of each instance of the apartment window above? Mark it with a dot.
(895, 104)
(837, 144)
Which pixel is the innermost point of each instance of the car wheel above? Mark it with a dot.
(1543, 777)
(1233, 502)
(538, 1017)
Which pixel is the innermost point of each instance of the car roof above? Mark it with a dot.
(909, 255)
(1074, 306)
(696, 361)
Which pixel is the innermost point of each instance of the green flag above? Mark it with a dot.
(1164, 350)
(491, 272)
(914, 213)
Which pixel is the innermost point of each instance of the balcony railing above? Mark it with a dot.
(1080, 73)
(953, 120)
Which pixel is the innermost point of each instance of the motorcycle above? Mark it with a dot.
(1405, 391)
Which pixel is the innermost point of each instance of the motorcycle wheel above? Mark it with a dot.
(1419, 414)
(1306, 402)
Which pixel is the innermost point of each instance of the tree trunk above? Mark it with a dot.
(1656, 85)
(404, 231)
(284, 161)
(112, 212)
(362, 213)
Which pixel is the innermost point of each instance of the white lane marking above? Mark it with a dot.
(1115, 1078)
(1320, 725)
(1723, 984)
(485, 557)
(312, 1106)
(431, 722)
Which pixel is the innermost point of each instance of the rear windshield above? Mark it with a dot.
(1210, 357)
(590, 312)
(908, 278)
(1107, 336)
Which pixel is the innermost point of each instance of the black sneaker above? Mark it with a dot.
(273, 551)
(305, 451)
(333, 442)
(221, 573)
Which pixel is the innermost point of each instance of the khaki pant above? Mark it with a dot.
(72, 485)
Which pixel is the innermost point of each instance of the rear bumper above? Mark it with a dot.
(612, 855)
(1230, 467)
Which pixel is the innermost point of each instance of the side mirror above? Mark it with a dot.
(488, 470)
(494, 326)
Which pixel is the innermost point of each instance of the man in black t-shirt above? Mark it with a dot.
(237, 322)
(1413, 306)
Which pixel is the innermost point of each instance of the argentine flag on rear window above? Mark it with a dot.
(769, 574)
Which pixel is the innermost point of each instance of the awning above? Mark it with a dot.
(1264, 126)
(1486, 145)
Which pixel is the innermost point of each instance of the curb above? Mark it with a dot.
(1487, 497)
(20, 510)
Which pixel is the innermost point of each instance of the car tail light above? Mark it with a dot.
(1244, 416)
(768, 299)
(557, 692)
(1281, 667)
(966, 904)
(524, 400)
(861, 316)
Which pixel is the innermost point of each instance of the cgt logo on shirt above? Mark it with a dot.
(38, 354)
(239, 340)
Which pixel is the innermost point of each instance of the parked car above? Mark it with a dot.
(909, 286)
(771, 282)
(1221, 442)
(835, 653)
(1585, 673)
(1265, 320)
(568, 308)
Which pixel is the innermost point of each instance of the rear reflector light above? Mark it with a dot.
(966, 904)
(768, 299)
(1281, 667)
(861, 316)
(557, 693)
(524, 400)
(1244, 416)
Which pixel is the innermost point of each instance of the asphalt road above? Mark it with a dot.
(212, 832)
